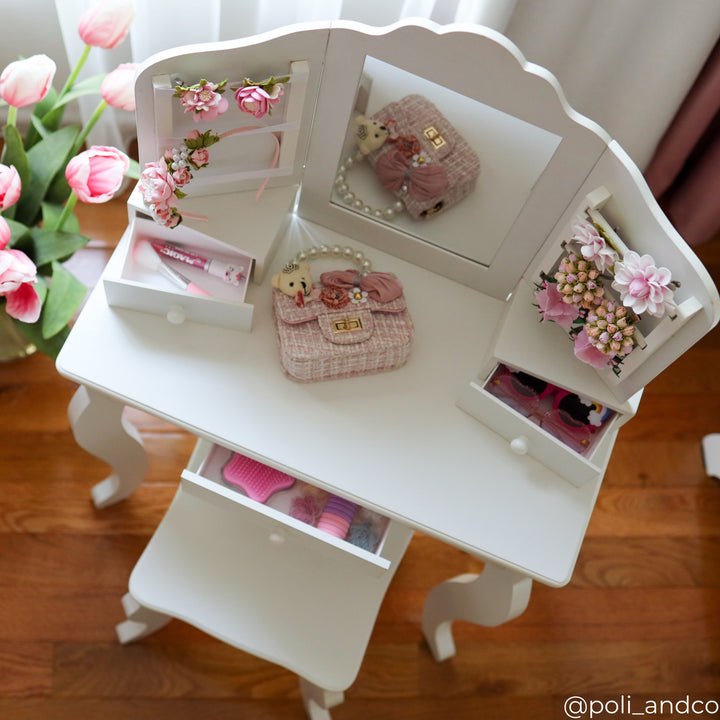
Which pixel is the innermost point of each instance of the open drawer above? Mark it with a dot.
(300, 515)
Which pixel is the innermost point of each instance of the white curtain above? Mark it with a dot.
(626, 64)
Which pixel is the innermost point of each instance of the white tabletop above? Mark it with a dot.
(395, 442)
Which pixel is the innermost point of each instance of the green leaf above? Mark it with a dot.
(40, 115)
(89, 86)
(40, 129)
(19, 234)
(46, 159)
(52, 245)
(51, 214)
(64, 297)
(14, 153)
(134, 170)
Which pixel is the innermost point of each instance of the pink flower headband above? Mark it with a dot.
(205, 99)
(161, 181)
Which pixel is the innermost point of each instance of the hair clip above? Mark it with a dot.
(162, 180)
(258, 98)
(204, 99)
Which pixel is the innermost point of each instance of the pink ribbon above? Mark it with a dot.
(380, 286)
(424, 182)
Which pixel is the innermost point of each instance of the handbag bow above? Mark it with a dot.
(380, 286)
(424, 182)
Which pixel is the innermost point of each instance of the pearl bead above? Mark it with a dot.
(342, 170)
(313, 252)
(348, 198)
(359, 257)
(389, 213)
(323, 249)
(347, 252)
(349, 162)
(366, 266)
(378, 214)
(336, 250)
(340, 179)
(398, 206)
(343, 188)
(358, 203)
(302, 256)
(367, 209)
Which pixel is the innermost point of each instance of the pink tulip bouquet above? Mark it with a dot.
(45, 173)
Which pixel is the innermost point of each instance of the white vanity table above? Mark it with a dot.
(416, 444)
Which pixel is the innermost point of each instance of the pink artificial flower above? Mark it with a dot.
(117, 88)
(96, 174)
(204, 102)
(553, 307)
(200, 157)
(156, 184)
(181, 176)
(642, 286)
(10, 186)
(18, 274)
(593, 246)
(257, 101)
(587, 352)
(5, 233)
(26, 82)
(106, 23)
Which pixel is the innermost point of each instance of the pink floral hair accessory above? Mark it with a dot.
(643, 287)
(593, 246)
(204, 99)
(258, 98)
(161, 182)
(552, 307)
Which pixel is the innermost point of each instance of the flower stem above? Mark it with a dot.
(66, 211)
(12, 115)
(90, 125)
(75, 72)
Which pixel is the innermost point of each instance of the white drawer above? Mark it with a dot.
(138, 286)
(273, 520)
(534, 427)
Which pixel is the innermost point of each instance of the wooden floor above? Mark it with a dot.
(638, 623)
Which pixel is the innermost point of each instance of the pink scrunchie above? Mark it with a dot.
(424, 182)
(380, 286)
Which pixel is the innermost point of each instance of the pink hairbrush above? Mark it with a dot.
(258, 481)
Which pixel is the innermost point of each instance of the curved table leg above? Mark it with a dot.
(317, 700)
(99, 428)
(495, 596)
(141, 621)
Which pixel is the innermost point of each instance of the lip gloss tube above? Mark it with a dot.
(227, 272)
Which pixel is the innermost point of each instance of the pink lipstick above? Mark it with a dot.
(227, 272)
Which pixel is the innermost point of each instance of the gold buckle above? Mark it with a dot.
(434, 137)
(347, 325)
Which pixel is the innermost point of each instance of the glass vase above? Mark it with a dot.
(13, 344)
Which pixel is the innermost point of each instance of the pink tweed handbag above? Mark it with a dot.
(425, 162)
(344, 327)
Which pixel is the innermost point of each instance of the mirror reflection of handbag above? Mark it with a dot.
(350, 323)
(425, 161)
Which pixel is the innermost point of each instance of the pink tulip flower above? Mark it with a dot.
(106, 23)
(117, 88)
(10, 186)
(95, 175)
(26, 82)
(18, 274)
(5, 233)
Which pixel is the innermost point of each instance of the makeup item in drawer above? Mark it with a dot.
(258, 481)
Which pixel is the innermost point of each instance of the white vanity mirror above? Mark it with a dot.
(511, 155)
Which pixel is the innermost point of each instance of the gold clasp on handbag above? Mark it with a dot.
(434, 137)
(347, 325)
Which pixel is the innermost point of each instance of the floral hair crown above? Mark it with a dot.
(205, 99)
(161, 182)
